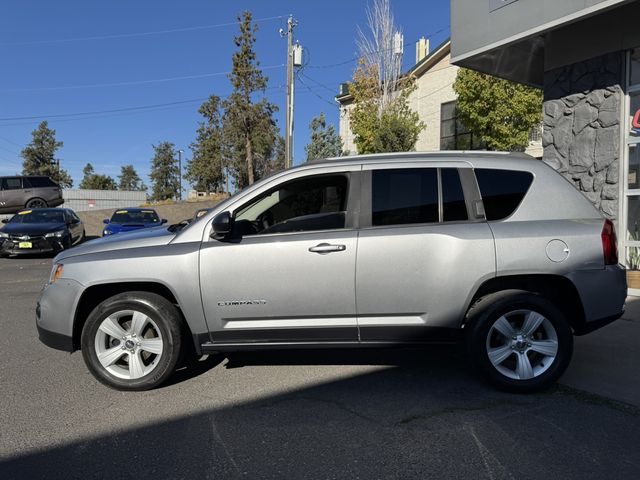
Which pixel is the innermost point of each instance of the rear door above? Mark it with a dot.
(423, 250)
(42, 187)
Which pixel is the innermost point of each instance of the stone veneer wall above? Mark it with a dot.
(581, 136)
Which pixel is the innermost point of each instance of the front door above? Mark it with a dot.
(287, 272)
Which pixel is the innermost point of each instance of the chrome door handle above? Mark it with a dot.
(327, 248)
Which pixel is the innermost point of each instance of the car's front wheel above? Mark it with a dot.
(519, 340)
(132, 341)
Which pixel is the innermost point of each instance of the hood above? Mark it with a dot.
(126, 227)
(147, 237)
(32, 228)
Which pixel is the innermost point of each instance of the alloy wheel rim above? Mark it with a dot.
(128, 344)
(522, 344)
(36, 203)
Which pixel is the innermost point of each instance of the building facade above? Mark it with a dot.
(434, 100)
(585, 55)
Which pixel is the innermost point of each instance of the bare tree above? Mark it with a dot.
(382, 48)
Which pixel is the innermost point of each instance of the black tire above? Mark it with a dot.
(36, 203)
(484, 314)
(168, 320)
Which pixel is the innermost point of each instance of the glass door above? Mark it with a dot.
(629, 225)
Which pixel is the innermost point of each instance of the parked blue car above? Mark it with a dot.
(129, 219)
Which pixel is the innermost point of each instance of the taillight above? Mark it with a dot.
(609, 243)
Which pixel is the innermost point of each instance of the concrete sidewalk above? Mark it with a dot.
(606, 362)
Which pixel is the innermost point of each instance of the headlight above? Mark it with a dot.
(4, 235)
(56, 272)
(106, 232)
(59, 233)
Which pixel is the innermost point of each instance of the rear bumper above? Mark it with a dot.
(603, 293)
(589, 327)
(55, 202)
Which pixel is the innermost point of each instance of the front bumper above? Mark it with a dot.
(55, 313)
(55, 340)
(39, 245)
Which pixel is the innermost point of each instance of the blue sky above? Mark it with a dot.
(44, 75)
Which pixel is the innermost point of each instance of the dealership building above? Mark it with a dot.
(585, 55)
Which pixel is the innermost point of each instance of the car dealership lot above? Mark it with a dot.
(323, 414)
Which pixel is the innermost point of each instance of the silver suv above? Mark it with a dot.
(31, 191)
(497, 250)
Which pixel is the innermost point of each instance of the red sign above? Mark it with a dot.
(635, 123)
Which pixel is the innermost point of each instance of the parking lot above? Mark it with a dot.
(324, 414)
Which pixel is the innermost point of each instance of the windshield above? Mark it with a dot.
(142, 216)
(39, 216)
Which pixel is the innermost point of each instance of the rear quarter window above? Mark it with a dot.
(502, 190)
(39, 182)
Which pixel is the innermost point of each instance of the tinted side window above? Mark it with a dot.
(39, 182)
(502, 191)
(404, 196)
(11, 184)
(315, 203)
(453, 206)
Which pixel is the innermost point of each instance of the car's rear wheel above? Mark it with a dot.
(132, 341)
(519, 340)
(36, 203)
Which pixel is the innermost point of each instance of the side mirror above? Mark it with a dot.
(222, 226)
(163, 221)
(4, 220)
(105, 221)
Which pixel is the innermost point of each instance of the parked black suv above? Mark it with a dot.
(30, 191)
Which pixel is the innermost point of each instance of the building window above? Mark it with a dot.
(634, 70)
(535, 135)
(453, 134)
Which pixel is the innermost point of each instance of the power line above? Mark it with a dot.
(134, 82)
(10, 141)
(315, 94)
(10, 151)
(357, 57)
(329, 89)
(135, 34)
(69, 117)
(125, 109)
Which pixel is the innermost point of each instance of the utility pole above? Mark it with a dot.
(288, 138)
(180, 152)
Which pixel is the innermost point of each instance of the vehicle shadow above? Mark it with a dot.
(408, 357)
(422, 417)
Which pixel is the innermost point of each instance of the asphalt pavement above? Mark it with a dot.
(321, 414)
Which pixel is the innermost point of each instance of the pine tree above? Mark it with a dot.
(129, 179)
(205, 171)
(248, 127)
(94, 181)
(165, 183)
(39, 157)
(325, 141)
